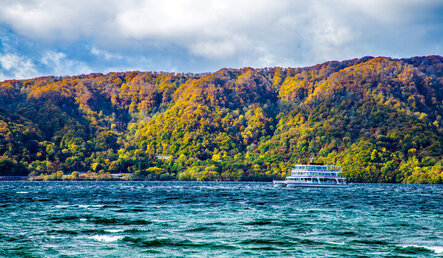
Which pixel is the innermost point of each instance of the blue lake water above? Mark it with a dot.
(84, 219)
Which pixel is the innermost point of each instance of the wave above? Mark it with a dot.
(106, 238)
(371, 242)
(8, 238)
(201, 229)
(63, 231)
(87, 206)
(168, 242)
(114, 230)
(415, 249)
(219, 223)
(265, 248)
(136, 230)
(93, 231)
(66, 219)
(311, 242)
(263, 222)
(260, 222)
(117, 221)
(266, 242)
(282, 242)
(100, 220)
(346, 233)
(437, 249)
(130, 210)
(158, 242)
(60, 206)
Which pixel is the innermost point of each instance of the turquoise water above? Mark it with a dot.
(218, 219)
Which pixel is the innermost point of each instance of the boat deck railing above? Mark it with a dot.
(312, 176)
(316, 171)
(318, 168)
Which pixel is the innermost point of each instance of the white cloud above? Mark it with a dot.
(207, 28)
(221, 48)
(15, 66)
(56, 20)
(225, 32)
(61, 65)
(105, 54)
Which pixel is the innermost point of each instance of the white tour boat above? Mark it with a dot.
(314, 175)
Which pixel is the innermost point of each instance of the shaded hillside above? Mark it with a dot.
(380, 118)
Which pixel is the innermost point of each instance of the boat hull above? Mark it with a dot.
(293, 185)
(279, 183)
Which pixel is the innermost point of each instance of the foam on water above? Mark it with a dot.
(106, 238)
(114, 230)
(90, 206)
(63, 206)
(437, 249)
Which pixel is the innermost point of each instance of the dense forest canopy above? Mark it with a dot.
(379, 118)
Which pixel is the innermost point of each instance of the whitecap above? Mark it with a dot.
(114, 230)
(336, 243)
(62, 206)
(22, 192)
(90, 206)
(437, 249)
(104, 238)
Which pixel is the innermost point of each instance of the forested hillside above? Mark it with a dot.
(379, 118)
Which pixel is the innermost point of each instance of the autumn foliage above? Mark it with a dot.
(380, 118)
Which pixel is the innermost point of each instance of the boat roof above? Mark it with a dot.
(317, 166)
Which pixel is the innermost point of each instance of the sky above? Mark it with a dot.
(71, 37)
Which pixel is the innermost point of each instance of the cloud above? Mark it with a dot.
(220, 48)
(104, 54)
(205, 35)
(63, 66)
(15, 66)
(56, 20)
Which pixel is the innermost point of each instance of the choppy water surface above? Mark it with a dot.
(228, 219)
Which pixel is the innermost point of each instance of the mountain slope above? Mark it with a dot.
(380, 118)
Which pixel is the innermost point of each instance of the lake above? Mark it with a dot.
(140, 219)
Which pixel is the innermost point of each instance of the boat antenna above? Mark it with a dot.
(312, 159)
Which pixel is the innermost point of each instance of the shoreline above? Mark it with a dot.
(26, 179)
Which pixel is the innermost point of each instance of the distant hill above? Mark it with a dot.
(380, 118)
